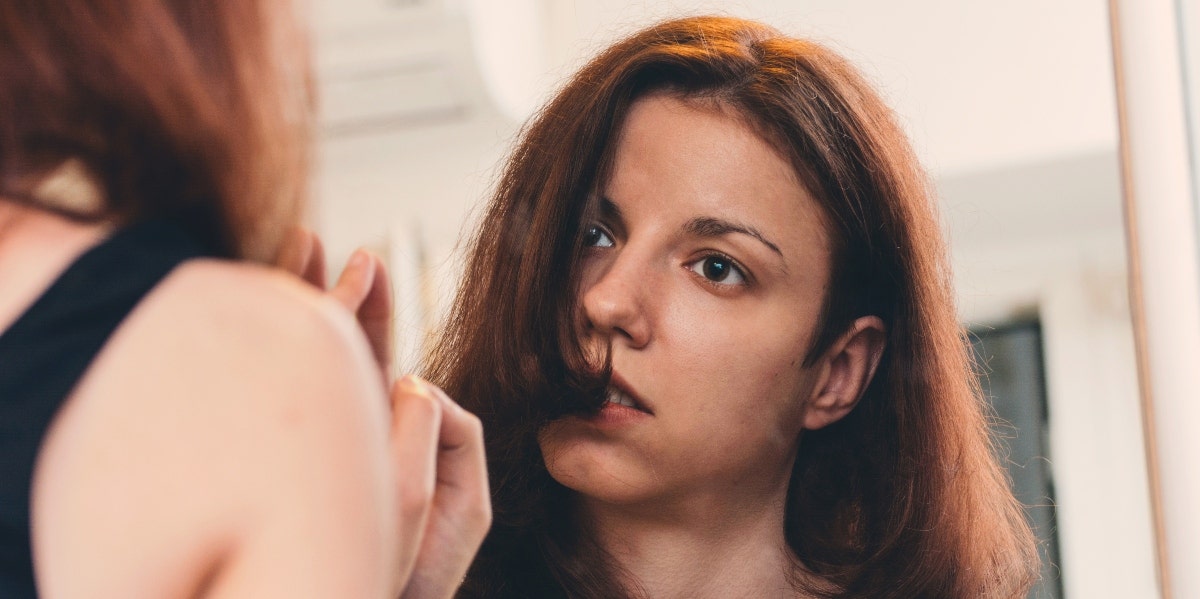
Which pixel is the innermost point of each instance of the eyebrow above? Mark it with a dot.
(700, 226)
(610, 210)
(704, 226)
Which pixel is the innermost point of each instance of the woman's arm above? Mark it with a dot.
(230, 441)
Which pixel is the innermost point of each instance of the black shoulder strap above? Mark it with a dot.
(45, 353)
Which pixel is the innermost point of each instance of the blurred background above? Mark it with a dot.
(1011, 105)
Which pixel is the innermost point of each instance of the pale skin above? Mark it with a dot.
(706, 274)
(234, 439)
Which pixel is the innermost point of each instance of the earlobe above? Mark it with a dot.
(846, 370)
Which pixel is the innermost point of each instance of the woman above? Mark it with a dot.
(175, 420)
(707, 323)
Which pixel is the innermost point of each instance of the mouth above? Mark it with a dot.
(620, 394)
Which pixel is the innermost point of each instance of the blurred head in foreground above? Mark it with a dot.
(197, 112)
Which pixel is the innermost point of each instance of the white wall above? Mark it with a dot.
(1067, 268)
(421, 182)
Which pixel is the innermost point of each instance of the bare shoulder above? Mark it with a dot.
(234, 412)
(250, 311)
(228, 332)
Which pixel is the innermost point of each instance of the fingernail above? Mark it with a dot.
(358, 259)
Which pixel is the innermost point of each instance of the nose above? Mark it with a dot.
(615, 303)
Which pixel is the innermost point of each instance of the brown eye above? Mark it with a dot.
(716, 269)
(719, 269)
(595, 236)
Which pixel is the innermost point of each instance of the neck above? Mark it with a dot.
(35, 246)
(701, 548)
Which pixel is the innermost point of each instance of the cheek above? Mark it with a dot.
(752, 357)
(746, 396)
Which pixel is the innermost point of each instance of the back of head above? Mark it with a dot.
(188, 110)
(903, 497)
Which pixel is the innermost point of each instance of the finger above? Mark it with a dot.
(314, 271)
(364, 289)
(462, 475)
(461, 462)
(416, 422)
(354, 284)
(461, 513)
(375, 315)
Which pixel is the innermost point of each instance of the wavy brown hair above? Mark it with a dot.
(194, 111)
(902, 498)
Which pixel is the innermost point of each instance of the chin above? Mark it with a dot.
(601, 471)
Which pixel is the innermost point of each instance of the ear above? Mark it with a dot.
(844, 371)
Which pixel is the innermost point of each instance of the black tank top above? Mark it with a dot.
(47, 350)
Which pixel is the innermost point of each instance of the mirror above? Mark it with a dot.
(1011, 106)
(1189, 18)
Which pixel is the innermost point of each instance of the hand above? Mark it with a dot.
(363, 288)
(442, 488)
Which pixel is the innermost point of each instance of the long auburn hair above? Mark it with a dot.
(902, 498)
(188, 110)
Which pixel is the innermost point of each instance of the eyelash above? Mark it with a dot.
(746, 278)
(599, 229)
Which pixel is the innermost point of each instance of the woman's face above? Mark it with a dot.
(706, 272)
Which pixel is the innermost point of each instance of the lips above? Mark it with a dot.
(620, 393)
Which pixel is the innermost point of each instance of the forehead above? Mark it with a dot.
(692, 158)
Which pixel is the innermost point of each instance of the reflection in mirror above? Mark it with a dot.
(1013, 117)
